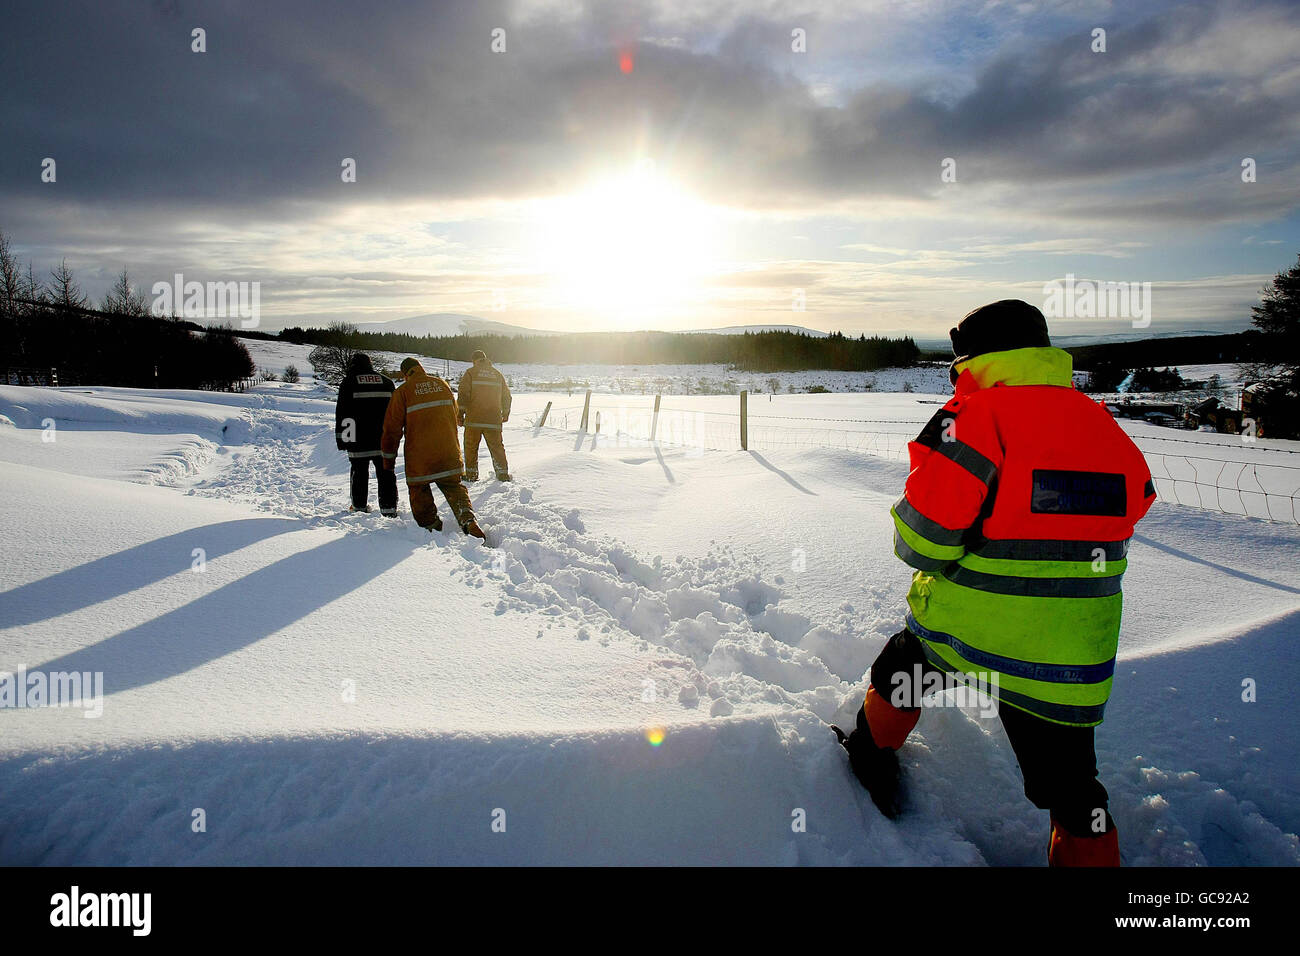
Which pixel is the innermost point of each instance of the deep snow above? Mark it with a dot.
(336, 688)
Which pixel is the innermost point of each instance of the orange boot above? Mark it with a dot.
(1066, 849)
(889, 725)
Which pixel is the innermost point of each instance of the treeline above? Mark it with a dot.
(47, 323)
(767, 351)
(1248, 346)
(1107, 377)
(1108, 364)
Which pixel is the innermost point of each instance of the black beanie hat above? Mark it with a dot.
(359, 363)
(998, 327)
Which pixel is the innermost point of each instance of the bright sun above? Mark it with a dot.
(630, 248)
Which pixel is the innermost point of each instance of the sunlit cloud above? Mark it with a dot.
(505, 185)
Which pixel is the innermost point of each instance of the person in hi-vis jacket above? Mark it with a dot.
(484, 406)
(1016, 517)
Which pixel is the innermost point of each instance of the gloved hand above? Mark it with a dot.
(504, 419)
(461, 420)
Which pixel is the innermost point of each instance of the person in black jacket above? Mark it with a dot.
(358, 426)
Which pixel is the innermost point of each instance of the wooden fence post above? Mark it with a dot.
(545, 411)
(744, 421)
(586, 411)
(654, 422)
(597, 422)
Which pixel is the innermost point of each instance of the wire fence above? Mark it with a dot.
(1240, 486)
(1233, 487)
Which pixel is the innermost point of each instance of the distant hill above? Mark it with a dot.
(1078, 341)
(441, 324)
(1166, 351)
(742, 329)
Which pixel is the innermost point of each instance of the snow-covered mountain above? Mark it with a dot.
(452, 323)
(448, 323)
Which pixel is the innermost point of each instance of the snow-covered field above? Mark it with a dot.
(639, 672)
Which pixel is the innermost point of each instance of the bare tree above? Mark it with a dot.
(332, 357)
(33, 290)
(11, 278)
(124, 299)
(63, 289)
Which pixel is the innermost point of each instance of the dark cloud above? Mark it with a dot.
(414, 94)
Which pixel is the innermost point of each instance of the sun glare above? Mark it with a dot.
(629, 248)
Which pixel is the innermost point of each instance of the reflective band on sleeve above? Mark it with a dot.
(372, 394)
(484, 426)
(926, 527)
(1032, 549)
(915, 558)
(365, 454)
(1090, 587)
(416, 408)
(417, 479)
(387, 455)
(1012, 667)
(970, 459)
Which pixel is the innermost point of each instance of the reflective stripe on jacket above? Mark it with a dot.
(424, 408)
(484, 397)
(359, 413)
(1017, 513)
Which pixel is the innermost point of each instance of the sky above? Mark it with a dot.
(863, 167)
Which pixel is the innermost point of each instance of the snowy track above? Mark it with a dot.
(734, 600)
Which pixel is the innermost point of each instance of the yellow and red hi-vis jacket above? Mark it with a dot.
(425, 409)
(1017, 515)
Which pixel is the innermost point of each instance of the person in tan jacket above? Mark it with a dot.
(424, 408)
(484, 406)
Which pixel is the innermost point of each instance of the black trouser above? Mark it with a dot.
(1058, 762)
(385, 478)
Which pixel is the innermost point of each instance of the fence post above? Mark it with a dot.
(597, 422)
(586, 410)
(545, 411)
(744, 421)
(654, 422)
